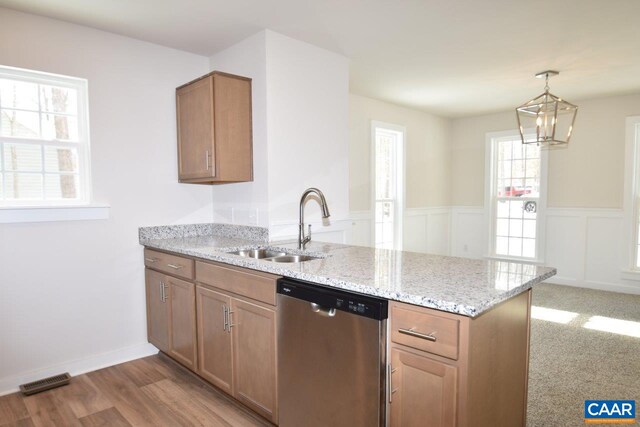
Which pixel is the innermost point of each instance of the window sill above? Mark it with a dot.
(11, 214)
(630, 275)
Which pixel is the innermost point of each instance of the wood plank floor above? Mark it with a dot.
(154, 391)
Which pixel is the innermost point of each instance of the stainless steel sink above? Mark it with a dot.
(258, 253)
(292, 258)
(273, 256)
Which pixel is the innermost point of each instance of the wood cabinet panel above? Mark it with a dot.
(411, 319)
(214, 340)
(157, 310)
(424, 391)
(181, 296)
(233, 131)
(194, 108)
(172, 264)
(215, 129)
(254, 357)
(258, 286)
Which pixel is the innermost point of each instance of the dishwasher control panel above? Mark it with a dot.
(362, 305)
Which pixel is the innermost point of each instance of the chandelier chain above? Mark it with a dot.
(546, 84)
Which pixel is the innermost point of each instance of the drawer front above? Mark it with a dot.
(172, 264)
(422, 330)
(258, 287)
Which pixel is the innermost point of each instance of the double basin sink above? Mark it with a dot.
(273, 256)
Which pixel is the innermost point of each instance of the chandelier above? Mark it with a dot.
(551, 116)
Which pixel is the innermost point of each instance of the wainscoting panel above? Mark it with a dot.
(565, 244)
(425, 229)
(468, 232)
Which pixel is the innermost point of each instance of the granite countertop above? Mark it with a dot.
(456, 285)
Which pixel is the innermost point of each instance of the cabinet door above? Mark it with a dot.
(424, 391)
(254, 355)
(194, 107)
(157, 310)
(214, 338)
(181, 296)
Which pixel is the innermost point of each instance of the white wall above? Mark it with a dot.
(588, 174)
(300, 136)
(307, 104)
(248, 202)
(584, 218)
(428, 173)
(72, 293)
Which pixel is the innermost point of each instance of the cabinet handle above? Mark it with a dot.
(412, 332)
(229, 324)
(389, 384)
(390, 389)
(163, 292)
(175, 267)
(151, 259)
(206, 157)
(225, 314)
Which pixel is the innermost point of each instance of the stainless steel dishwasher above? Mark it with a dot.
(331, 357)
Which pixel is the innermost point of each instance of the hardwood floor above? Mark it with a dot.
(154, 391)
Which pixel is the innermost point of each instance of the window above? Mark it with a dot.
(632, 192)
(516, 189)
(388, 179)
(44, 139)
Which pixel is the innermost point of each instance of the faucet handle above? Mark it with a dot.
(309, 234)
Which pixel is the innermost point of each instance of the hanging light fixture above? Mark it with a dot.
(552, 117)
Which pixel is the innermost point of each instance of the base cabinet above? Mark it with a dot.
(157, 311)
(181, 297)
(449, 370)
(171, 316)
(213, 338)
(237, 345)
(423, 391)
(254, 356)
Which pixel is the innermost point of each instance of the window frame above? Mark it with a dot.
(82, 145)
(490, 192)
(401, 179)
(631, 204)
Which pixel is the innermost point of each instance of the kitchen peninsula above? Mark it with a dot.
(457, 341)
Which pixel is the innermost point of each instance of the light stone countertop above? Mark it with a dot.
(456, 285)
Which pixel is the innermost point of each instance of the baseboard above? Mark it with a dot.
(601, 286)
(80, 366)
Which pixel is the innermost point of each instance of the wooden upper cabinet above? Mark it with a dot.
(214, 130)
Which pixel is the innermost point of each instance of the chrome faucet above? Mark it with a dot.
(302, 239)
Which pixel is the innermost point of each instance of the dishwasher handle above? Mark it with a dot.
(326, 312)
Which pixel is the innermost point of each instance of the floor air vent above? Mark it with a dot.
(45, 384)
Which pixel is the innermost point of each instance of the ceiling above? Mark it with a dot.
(452, 58)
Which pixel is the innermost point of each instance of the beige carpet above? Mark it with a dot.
(570, 362)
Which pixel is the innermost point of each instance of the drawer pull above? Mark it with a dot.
(175, 267)
(412, 332)
(151, 259)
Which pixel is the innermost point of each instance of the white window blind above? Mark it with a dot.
(44, 139)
